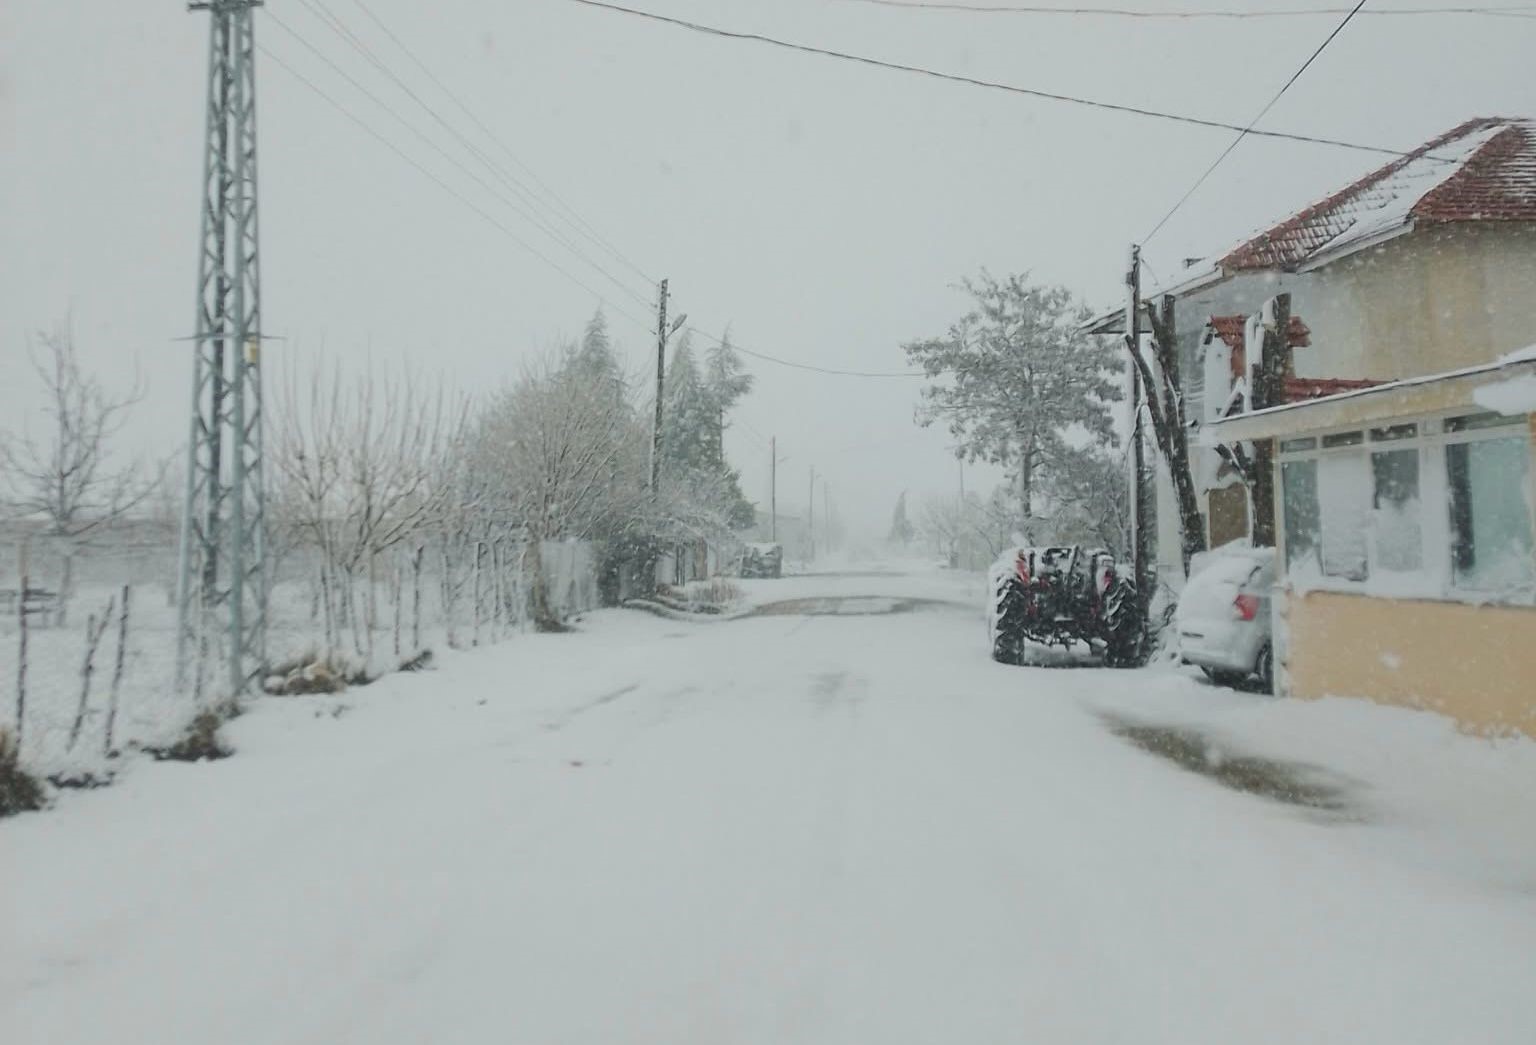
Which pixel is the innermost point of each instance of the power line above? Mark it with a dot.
(1247, 130)
(455, 193)
(575, 220)
(806, 366)
(971, 81)
(454, 160)
(337, 26)
(1509, 10)
(639, 323)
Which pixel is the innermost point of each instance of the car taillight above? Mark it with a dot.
(1246, 606)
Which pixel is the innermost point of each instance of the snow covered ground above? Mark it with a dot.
(788, 827)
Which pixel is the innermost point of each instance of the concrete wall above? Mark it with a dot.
(1474, 663)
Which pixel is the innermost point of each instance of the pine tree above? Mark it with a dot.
(692, 454)
(728, 381)
(901, 528)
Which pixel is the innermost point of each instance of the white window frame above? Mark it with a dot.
(1435, 579)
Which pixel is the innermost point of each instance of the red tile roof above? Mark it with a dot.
(1233, 330)
(1483, 170)
(1299, 388)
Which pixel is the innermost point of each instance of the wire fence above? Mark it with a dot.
(88, 631)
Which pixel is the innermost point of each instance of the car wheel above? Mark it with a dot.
(1230, 679)
(1264, 670)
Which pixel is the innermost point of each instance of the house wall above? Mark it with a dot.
(1428, 301)
(1474, 663)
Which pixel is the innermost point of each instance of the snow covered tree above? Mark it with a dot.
(727, 380)
(566, 461)
(693, 464)
(596, 361)
(1017, 383)
(901, 527)
(1088, 501)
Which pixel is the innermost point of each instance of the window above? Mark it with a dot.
(1395, 503)
(1342, 488)
(1394, 432)
(1303, 523)
(1342, 439)
(1491, 544)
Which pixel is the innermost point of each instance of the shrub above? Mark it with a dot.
(20, 791)
(200, 742)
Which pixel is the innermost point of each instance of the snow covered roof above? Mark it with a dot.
(1482, 170)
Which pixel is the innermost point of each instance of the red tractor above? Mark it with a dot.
(1063, 597)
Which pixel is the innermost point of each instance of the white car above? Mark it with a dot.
(1223, 619)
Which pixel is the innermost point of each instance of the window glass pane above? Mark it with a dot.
(1490, 519)
(1344, 439)
(1343, 492)
(1472, 422)
(1395, 485)
(1292, 445)
(1299, 509)
(1381, 435)
(1192, 374)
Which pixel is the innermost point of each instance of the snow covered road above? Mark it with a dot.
(786, 828)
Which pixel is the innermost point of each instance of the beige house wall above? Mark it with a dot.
(1474, 663)
(1434, 300)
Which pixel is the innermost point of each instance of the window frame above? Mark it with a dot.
(1433, 434)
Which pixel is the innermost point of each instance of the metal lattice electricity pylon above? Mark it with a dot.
(222, 578)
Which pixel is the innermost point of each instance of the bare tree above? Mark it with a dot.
(359, 462)
(66, 475)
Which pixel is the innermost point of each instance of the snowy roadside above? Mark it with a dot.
(1422, 790)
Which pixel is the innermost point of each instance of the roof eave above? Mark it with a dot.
(1326, 256)
(1396, 398)
(1113, 322)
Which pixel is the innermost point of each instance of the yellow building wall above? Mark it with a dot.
(1476, 664)
(1434, 300)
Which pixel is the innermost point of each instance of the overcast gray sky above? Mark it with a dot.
(823, 209)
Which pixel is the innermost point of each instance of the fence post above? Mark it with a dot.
(398, 608)
(117, 674)
(421, 552)
(475, 611)
(93, 633)
(21, 661)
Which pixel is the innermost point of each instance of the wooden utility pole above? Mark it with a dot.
(1141, 523)
(1268, 383)
(773, 488)
(661, 371)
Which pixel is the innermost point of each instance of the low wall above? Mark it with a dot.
(1474, 663)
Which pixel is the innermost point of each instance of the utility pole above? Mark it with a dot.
(773, 489)
(1268, 384)
(826, 505)
(661, 371)
(810, 518)
(1141, 524)
(221, 577)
